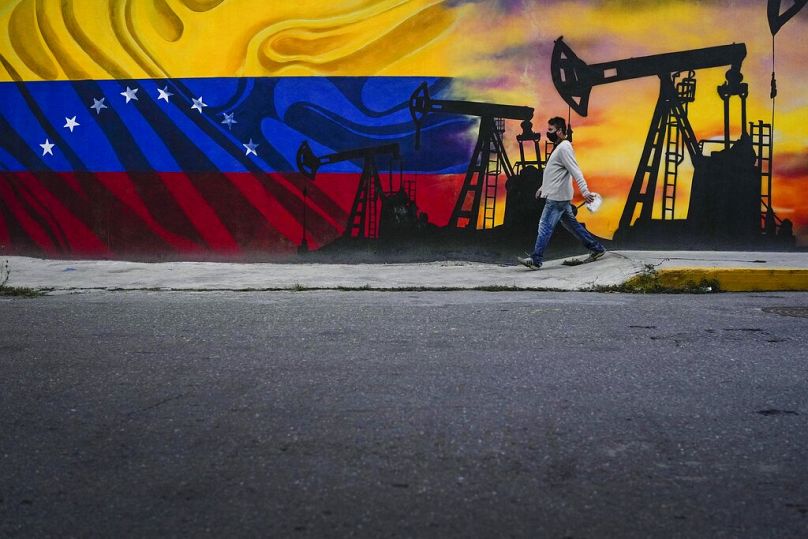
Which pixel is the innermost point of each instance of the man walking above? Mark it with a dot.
(557, 189)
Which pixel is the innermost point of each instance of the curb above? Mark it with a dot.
(737, 279)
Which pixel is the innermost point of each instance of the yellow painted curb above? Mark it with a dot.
(737, 279)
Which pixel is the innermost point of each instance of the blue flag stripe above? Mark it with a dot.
(148, 133)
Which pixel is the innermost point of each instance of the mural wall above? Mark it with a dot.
(251, 129)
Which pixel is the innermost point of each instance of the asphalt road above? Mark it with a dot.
(328, 414)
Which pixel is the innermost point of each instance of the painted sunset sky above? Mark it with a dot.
(496, 51)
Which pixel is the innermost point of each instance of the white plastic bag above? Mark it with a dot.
(595, 204)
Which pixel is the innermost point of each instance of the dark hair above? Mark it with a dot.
(559, 123)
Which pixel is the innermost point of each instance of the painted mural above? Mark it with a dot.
(252, 129)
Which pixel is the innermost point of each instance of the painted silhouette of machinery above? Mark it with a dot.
(776, 18)
(727, 203)
(398, 213)
(488, 161)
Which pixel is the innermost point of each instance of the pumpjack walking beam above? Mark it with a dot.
(488, 151)
(574, 80)
(362, 221)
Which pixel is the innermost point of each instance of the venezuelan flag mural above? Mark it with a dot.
(173, 127)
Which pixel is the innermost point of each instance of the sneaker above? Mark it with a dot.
(528, 262)
(594, 255)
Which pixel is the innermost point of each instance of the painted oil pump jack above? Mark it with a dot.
(398, 213)
(726, 198)
(772, 224)
(777, 18)
(489, 160)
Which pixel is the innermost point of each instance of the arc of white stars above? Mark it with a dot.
(129, 94)
(251, 146)
(198, 104)
(47, 148)
(71, 123)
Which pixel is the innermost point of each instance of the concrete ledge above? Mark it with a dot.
(737, 279)
(68, 275)
(632, 271)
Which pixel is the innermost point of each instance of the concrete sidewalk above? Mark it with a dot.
(734, 271)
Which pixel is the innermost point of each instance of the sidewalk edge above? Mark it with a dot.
(737, 279)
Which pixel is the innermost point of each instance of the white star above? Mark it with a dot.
(129, 94)
(47, 147)
(71, 123)
(98, 104)
(228, 120)
(251, 148)
(164, 94)
(198, 104)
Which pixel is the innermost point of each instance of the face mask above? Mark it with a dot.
(552, 136)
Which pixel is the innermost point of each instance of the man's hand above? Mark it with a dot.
(589, 197)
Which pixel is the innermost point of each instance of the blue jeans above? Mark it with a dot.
(561, 210)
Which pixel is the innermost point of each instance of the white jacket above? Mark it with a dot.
(561, 167)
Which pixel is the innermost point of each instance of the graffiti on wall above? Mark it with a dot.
(234, 128)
